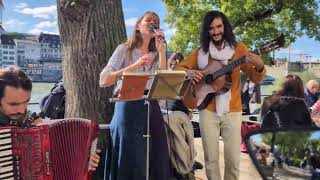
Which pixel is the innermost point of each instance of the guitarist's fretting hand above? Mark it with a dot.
(195, 75)
(255, 60)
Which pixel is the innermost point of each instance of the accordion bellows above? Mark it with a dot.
(57, 151)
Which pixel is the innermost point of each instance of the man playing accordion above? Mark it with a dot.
(15, 94)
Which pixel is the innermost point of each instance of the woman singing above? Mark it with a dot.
(144, 51)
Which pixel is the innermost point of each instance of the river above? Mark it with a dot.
(39, 90)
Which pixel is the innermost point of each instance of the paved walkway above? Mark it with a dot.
(247, 169)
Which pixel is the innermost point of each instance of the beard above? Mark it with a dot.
(16, 116)
(217, 42)
(18, 119)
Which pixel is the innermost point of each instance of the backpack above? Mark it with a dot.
(52, 105)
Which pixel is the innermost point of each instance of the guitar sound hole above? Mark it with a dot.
(209, 79)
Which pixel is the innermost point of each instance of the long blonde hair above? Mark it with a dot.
(135, 40)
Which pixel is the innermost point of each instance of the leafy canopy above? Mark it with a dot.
(291, 142)
(254, 21)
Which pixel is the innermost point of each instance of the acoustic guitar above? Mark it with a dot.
(217, 78)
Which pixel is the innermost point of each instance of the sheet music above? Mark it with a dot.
(133, 85)
(167, 84)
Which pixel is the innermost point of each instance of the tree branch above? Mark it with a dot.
(258, 16)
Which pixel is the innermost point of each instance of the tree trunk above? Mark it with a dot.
(90, 30)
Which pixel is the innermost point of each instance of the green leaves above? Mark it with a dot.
(256, 21)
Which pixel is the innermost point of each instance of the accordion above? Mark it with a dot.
(56, 151)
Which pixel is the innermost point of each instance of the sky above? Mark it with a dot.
(35, 16)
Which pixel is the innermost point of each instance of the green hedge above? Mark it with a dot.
(295, 162)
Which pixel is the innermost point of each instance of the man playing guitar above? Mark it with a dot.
(222, 114)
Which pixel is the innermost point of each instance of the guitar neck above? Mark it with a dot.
(270, 46)
(231, 66)
(228, 68)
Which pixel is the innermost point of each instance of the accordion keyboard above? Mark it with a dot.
(6, 158)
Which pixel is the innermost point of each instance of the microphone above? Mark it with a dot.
(153, 29)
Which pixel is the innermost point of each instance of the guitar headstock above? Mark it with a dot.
(271, 45)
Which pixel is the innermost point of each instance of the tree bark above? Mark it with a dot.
(90, 30)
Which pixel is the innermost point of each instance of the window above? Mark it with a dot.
(11, 58)
(5, 52)
(11, 52)
(8, 63)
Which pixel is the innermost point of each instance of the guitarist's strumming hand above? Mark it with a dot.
(195, 75)
(255, 60)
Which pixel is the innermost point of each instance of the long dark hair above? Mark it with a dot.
(135, 40)
(205, 36)
(291, 87)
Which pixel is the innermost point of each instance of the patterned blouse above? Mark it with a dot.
(120, 59)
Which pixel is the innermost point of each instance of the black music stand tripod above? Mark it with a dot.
(165, 85)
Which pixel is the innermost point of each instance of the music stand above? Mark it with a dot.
(133, 85)
(166, 84)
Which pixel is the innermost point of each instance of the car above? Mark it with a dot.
(267, 80)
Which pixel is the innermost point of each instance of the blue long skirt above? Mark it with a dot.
(126, 156)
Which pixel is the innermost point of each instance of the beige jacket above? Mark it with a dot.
(180, 141)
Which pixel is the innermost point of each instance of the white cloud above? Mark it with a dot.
(46, 24)
(130, 10)
(13, 23)
(21, 5)
(170, 32)
(38, 31)
(131, 22)
(286, 51)
(295, 55)
(39, 12)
